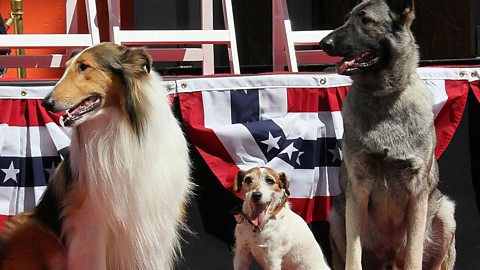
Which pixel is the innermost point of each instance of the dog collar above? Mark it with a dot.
(241, 217)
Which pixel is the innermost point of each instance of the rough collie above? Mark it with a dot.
(117, 200)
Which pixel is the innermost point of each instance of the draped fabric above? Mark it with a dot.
(290, 122)
(31, 145)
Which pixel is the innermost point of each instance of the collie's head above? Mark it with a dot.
(104, 76)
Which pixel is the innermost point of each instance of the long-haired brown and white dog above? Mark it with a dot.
(117, 201)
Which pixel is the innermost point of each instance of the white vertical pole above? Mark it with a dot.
(208, 64)
(230, 26)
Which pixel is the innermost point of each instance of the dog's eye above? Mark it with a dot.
(270, 181)
(366, 20)
(247, 180)
(363, 15)
(83, 66)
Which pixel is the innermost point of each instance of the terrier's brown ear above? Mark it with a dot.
(237, 183)
(284, 183)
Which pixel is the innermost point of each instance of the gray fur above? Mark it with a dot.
(389, 175)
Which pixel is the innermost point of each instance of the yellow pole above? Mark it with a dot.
(17, 12)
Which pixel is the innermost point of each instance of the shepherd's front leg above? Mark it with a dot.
(355, 217)
(417, 218)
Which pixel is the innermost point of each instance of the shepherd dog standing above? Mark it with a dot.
(117, 200)
(391, 214)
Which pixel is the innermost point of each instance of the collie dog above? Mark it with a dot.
(117, 201)
(268, 230)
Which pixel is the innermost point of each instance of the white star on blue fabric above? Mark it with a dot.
(298, 157)
(271, 142)
(10, 173)
(289, 150)
(51, 170)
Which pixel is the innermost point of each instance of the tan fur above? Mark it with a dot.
(117, 201)
(31, 246)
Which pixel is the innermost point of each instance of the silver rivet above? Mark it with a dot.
(183, 85)
(23, 93)
(474, 74)
(462, 74)
(323, 81)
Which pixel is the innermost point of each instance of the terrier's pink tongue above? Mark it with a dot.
(258, 214)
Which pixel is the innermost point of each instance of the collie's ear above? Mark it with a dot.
(74, 52)
(138, 58)
(134, 65)
(237, 183)
(284, 183)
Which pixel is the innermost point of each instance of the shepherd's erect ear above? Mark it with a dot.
(237, 183)
(405, 10)
(284, 183)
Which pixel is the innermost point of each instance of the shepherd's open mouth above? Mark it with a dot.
(87, 105)
(352, 63)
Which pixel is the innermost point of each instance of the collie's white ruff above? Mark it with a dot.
(134, 188)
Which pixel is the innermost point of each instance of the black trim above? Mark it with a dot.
(32, 83)
(48, 210)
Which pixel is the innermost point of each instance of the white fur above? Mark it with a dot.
(284, 242)
(135, 188)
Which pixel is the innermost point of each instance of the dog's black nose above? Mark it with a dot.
(48, 103)
(327, 44)
(256, 196)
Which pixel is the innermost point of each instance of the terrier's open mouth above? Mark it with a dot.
(87, 105)
(258, 213)
(352, 63)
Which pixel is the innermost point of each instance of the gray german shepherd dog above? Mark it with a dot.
(391, 214)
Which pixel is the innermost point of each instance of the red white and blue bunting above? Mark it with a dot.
(290, 122)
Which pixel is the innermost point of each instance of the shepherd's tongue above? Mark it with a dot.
(258, 214)
(343, 65)
(340, 68)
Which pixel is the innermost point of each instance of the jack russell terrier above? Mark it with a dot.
(268, 230)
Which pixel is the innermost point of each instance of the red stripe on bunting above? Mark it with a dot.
(171, 98)
(205, 140)
(3, 218)
(316, 209)
(449, 117)
(25, 113)
(316, 99)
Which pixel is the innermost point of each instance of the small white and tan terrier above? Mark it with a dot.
(268, 230)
